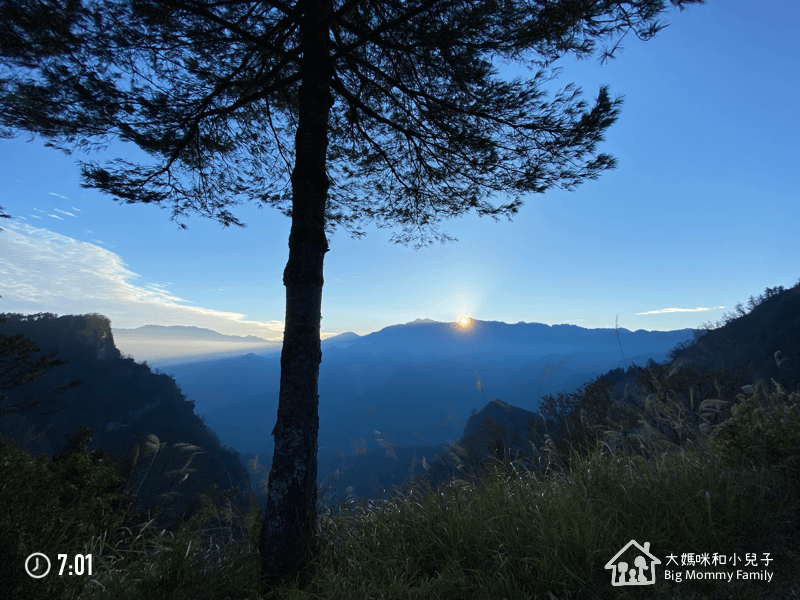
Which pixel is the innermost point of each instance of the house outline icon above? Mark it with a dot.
(613, 565)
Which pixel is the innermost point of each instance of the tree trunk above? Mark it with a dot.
(287, 537)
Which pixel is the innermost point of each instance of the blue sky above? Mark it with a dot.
(702, 212)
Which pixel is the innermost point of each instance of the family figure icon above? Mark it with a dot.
(623, 573)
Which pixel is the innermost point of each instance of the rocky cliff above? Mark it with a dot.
(169, 456)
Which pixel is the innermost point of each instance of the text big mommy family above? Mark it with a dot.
(678, 576)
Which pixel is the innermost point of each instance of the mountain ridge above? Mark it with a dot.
(474, 336)
(428, 337)
(412, 380)
(189, 331)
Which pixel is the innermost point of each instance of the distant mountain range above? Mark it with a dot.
(159, 345)
(413, 384)
(422, 338)
(387, 400)
(175, 344)
(190, 332)
(425, 338)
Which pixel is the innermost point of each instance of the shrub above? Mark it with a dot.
(54, 507)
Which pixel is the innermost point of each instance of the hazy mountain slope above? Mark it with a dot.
(184, 333)
(160, 345)
(230, 380)
(248, 422)
(414, 382)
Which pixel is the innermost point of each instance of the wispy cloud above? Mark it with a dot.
(678, 310)
(55, 217)
(58, 195)
(63, 212)
(43, 271)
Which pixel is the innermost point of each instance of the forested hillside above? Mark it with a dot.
(106, 402)
(756, 344)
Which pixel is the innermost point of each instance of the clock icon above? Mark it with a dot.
(37, 565)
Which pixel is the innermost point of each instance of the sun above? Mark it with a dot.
(464, 321)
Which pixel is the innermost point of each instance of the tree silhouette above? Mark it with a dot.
(17, 367)
(335, 112)
(3, 215)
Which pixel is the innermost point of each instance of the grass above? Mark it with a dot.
(512, 533)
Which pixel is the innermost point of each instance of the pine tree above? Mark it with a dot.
(335, 112)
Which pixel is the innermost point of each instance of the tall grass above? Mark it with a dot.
(510, 533)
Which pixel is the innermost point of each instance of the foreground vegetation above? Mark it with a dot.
(679, 456)
(509, 532)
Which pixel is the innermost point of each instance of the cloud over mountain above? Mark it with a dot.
(43, 271)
